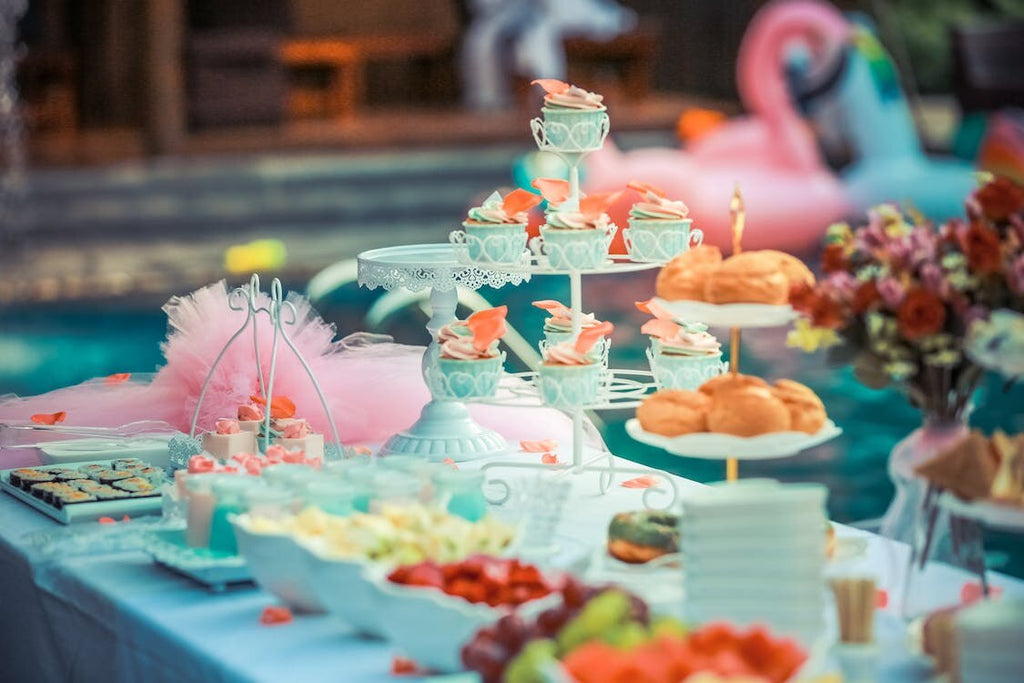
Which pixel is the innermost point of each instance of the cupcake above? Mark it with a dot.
(469, 363)
(575, 120)
(298, 435)
(558, 327)
(496, 230)
(578, 239)
(659, 228)
(683, 355)
(570, 377)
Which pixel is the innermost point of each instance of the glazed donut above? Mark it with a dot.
(641, 536)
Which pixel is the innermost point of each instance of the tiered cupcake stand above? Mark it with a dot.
(737, 317)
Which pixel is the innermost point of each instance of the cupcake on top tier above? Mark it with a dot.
(570, 377)
(470, 364)
(575, 238)
(575, 120)
(558, 327)
(659, 228)
(496, 230)
(683, 355)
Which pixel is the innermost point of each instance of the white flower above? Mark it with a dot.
(998, 343)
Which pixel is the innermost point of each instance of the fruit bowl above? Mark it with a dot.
(277, 564)
(431, 626)
(343, 587)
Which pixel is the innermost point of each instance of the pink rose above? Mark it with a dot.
(200, 464)
(250, 413)
(228, 426)
(891, 291)
(1016, 276)
(276, 452)
(297, 429)
(298, 457)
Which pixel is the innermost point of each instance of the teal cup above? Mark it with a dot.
(574, 130)
(576, 249)
(660, 240)
(465, 379)
(496, 243)
(570, 386)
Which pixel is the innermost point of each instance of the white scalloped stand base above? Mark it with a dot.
(446, 430)
(711, 446)
(730, 315)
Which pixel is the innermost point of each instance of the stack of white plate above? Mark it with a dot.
(990, 639)
(754, 553)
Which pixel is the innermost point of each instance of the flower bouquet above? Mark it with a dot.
(907, 303)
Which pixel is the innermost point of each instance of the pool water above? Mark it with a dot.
(43, 348)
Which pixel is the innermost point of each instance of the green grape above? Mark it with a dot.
(599, 615)
(626, 636)
(526, 667)
(667, 626)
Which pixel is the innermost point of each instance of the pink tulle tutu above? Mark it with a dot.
(373, 387)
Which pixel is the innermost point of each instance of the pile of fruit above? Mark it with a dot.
(499, 582)
(605, 635)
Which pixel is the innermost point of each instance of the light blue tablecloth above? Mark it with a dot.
(120, 617)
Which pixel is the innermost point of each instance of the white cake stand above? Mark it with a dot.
(445, 428)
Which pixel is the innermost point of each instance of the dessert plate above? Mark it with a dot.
(712, 446)
(730, 315)
(988, 513)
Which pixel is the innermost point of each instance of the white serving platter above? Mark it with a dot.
(712, 446)
(730, 315)
(85, 512)
(149, 449)
(169, 550)
(1009, 517)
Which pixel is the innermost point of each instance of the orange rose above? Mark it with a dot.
(833, 259)
(865, 297)
(922, 313)
(1000, 198)
(984, 249)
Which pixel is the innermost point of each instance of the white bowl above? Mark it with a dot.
(343, 587)
(277, 564)
(431, 626)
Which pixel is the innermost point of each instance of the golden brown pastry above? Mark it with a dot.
(806, 411)
(683, 277)
(731, 380)
(672, 412)
(795, 270)
(967, 468)
(750, 277)
(747, 411)
(1008, 485)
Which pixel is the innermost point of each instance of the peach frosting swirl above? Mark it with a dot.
(455, 330)
(573, 97)
(492, 212)
(655, 207)
(692, 339)
(461, 348)
(575, 220)
(566, 354)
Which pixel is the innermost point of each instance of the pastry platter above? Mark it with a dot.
(995, 515)
(730, 315)
(712, 446)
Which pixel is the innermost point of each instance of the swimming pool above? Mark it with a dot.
(45, 347)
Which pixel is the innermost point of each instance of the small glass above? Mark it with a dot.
(199, 509)
(361, 480)
(282, 473)
(462, 493)
(395, 489)
(271, 502)
(333, 496)
(229, 496)
(422, 469)
(341, 468)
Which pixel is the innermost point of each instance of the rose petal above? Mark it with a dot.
(49, 418)
(403, 666)
(590, 335)
(881, 598)
(274, 615)
(554, 190)
(106, 520)
(550, 305)
(971, 592)
(662, 329)
(450, 463)
(594, 205)
(487, 326)
(552, 86)
(126, 518)
(644, 188)
(519, 200)
(542, 446)
(549, 459)
(117, 378)
(645, 481)
(281, 407)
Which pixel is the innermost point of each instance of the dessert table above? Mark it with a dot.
(120, 617)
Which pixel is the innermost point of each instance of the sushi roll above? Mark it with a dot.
(104, 492)
(110, 476)
(137, 486)
(87, 485)
(26, 477)
(94, 467)
(62, 498)
(47, 490)
(154, 475)
(127, 464)
(71, 475)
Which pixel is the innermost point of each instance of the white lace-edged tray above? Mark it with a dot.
(712, 446)
(85, 512)
(730, 315)
(996, 515)
(213, 570)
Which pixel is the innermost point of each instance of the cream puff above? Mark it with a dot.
(747, 411)
(683, 277)
(672, 412)
(806, 411)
